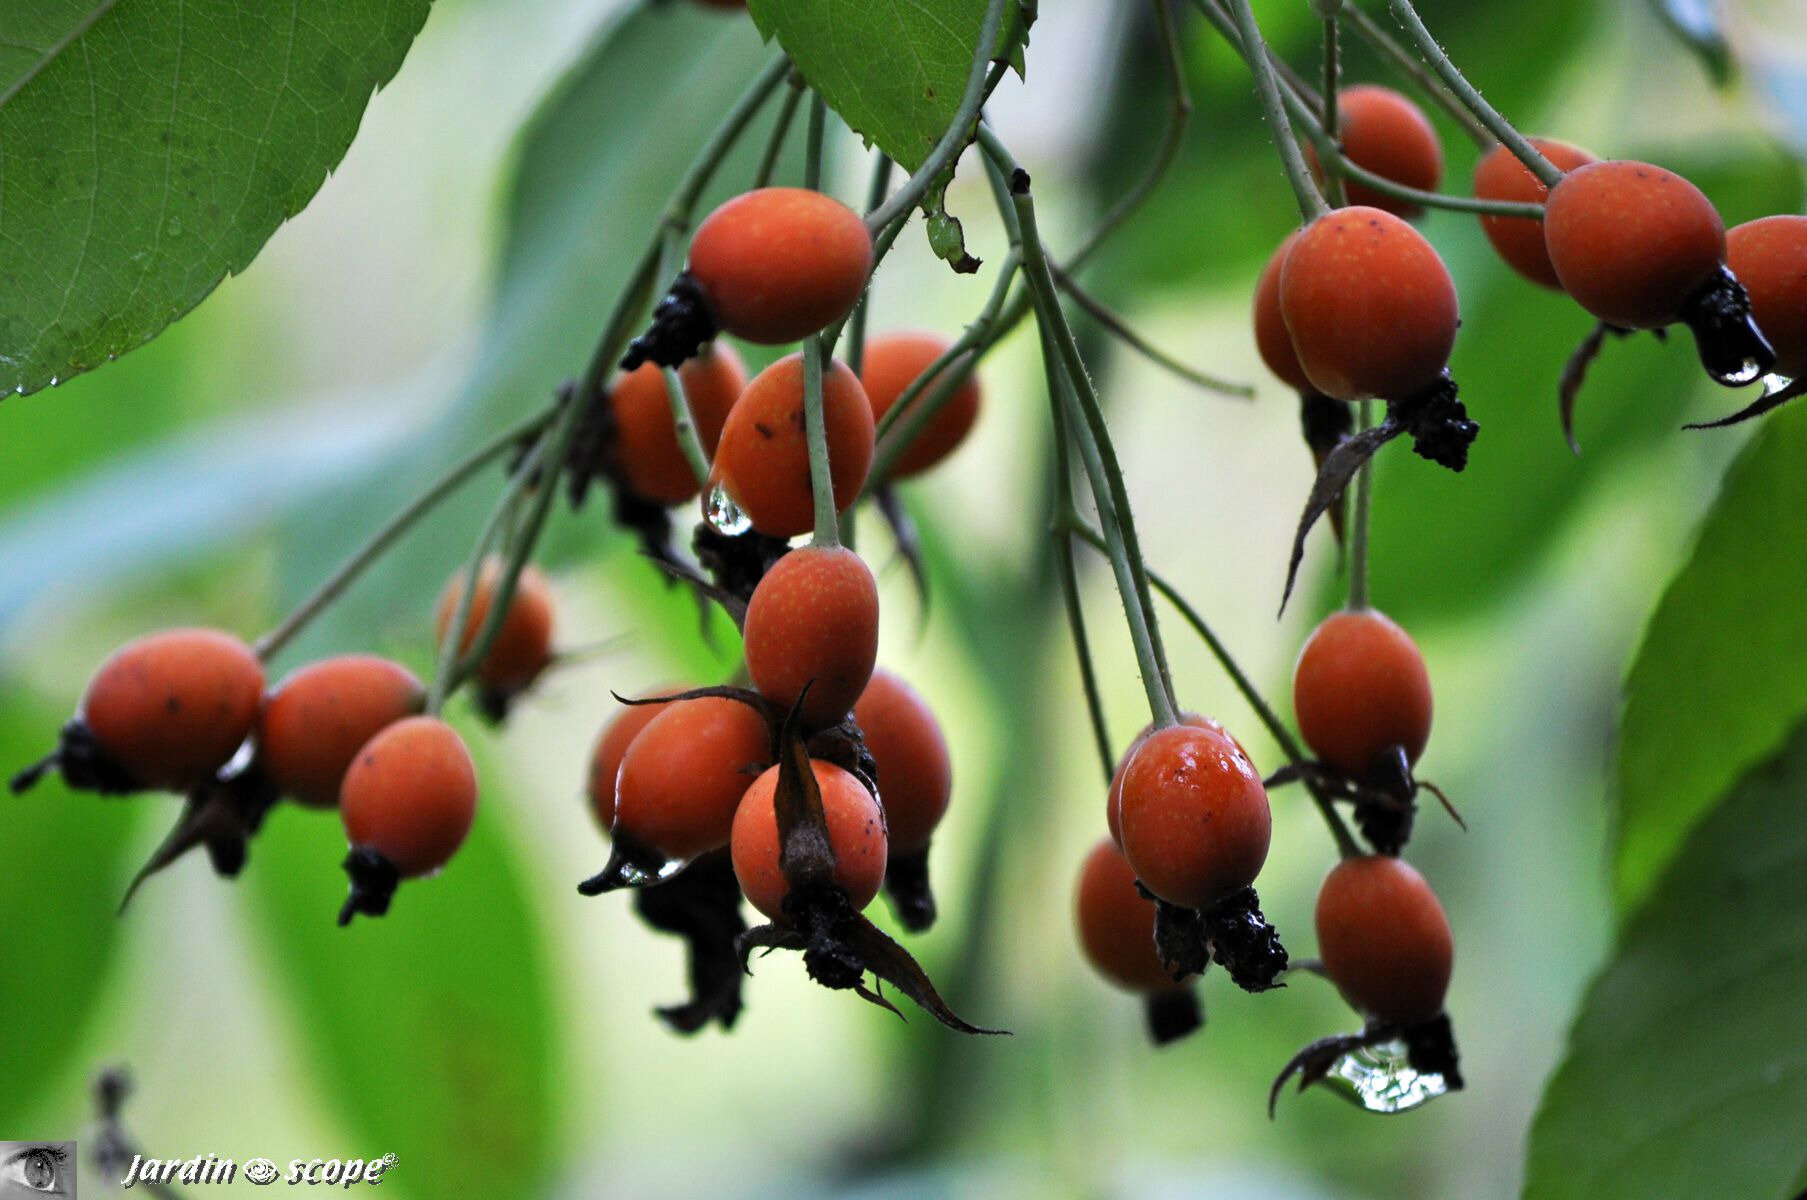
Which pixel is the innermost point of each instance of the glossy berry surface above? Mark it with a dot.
(813, 620)
(1769, 257)
(1116, 923)
(1519, 240)
(1272, 338)
(1196, 824)
(316, 720)
(1384, 939)
(523, 645)
(1631, 242)
(611, 747)
(894, 361)
(1383, 132)
(1360, 688)
(685, 773)
(779, 264)
(646, 438)
(410, 795)
(856, 830)
(171, 708)
(914, 773)
(1113, 800)
(1370, 305)
(763, 457)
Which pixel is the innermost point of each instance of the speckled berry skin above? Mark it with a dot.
(1519, 240)
(410, 795)
(1384, 132)
(779, 264)
(1360, 688)
(1370, 306)
(316, 720)
(611, 747)
(523, 645)
(1113, 800)
(1272, 338)
(171, 708)
(914, 772)
(683, 776)
(894, 361)
(1769, 257)
(1384, 939)
(763, 457)
(1116, 923)
(856, 830)
(1196, 824)
(814, 617)
(1631, 242)
(646, 438)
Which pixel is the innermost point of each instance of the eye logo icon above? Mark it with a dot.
(260, 1171)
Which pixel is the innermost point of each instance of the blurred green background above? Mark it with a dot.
(495, 1030)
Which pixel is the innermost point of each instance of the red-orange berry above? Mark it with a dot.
(317, 719)
(856, 830)
(611, 747)
(1383, 132)
(1272, 338)
(892, 363)
(763, 457)
(1384, 939)
(1116, 923)
(1769, 257)
(1196, 823)
(1370, 305)
(685, 773)
(1631, 243)
(778, 264)
(523, 645)
(915, 777)
(813, 620)
(171, 708)
(1113, 801)
(1359, 689)
(646, 439)
(1519, 240)
(410, 795)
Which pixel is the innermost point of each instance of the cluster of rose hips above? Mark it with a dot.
(1358, 305)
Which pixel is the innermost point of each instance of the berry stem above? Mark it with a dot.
(1358, 520)
(1066, 520)
(821, 479)
(1498, 126)
(1273, 113)
(957, 134)
(1388, 47)
(273, 642)
(685, 427)
(812, 142)
(1333, 183)
(1119, 328)
(781, 128)
(855, 356)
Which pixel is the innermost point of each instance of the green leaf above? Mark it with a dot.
(149, 148)
(431, 1030)
(1686, 1073)
(1699, 26)
(1721, 677)
(894, 72)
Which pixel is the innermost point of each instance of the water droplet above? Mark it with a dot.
(1773, 383)
(725, 515)
(173, 227)
(1746, 371)
(634, 875)
(1380, 1079)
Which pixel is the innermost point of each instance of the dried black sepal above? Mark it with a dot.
(681, 323)
(908, 540)
(1325, 422)
(1574, 375)
(1233, 933)
(1759, 406)
(701, 904)
(1334, 473)
(630, 865)
(1172, 1014)
(1732, 348)
(84, 765)
(373, 883)
(1384, 800)
(1179, 937)
(1430, 1050)
(736, 561)
(907, 885)
(220, 814)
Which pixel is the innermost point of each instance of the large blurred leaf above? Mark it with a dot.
(1700, 24)
(149, 148)
(895, 72)
(1686, 1073)
(65, 854)
(1722, 674)
(430, 1030)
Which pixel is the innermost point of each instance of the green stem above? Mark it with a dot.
(855, 356)
(273, 642)
(1498, 126)
(954, 139)
(1388, 47)
(1067, 519)
(1358, 532)
(1273, 113)
(774, 147)
(684, 426)
(821, 478)
(1121, 330)
(1329, 121)
(812, 144)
